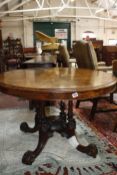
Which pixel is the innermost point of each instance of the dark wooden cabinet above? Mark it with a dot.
(13, 52)
(98, 46)
(12, 46)
(109, 54)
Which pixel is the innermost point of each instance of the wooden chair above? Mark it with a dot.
(86, 58)
(63, 57)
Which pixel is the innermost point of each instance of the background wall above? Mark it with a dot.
(104, 30)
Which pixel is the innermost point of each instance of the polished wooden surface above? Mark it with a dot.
(45, 60)
(50, 84)
(57, 83)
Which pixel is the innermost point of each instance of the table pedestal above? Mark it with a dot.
(63, 124)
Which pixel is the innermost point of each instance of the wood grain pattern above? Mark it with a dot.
(57, 83)
(50, 84)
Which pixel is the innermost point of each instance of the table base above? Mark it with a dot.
(64, 124)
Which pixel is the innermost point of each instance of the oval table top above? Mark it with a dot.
(57, 83)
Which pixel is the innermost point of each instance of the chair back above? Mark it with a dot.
(63, 56)
(85, 54)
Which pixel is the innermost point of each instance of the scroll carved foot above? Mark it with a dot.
(25, 128)
(28, 158)
(90, 150)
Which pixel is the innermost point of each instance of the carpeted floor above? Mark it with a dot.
(10, 102)
(58, 157)
(103, 123)
(52, 161)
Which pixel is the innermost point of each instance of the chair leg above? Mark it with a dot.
(94, 107)
(77, 104)
(111, 97)
(115, 128)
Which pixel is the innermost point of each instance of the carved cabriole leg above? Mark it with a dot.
(90, 149)
(24, 126)
(44, 134)
(30, 156)
(46, 126)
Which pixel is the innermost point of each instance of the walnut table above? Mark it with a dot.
(54, 84)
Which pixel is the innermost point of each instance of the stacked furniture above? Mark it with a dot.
(13, 53)
(86, 58)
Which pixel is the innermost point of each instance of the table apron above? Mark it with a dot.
(46, 95)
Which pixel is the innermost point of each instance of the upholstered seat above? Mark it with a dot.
(50, 46)
(85, 56)
(50, 43)
(64, 57)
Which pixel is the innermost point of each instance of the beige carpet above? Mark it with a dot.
(14, 143)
